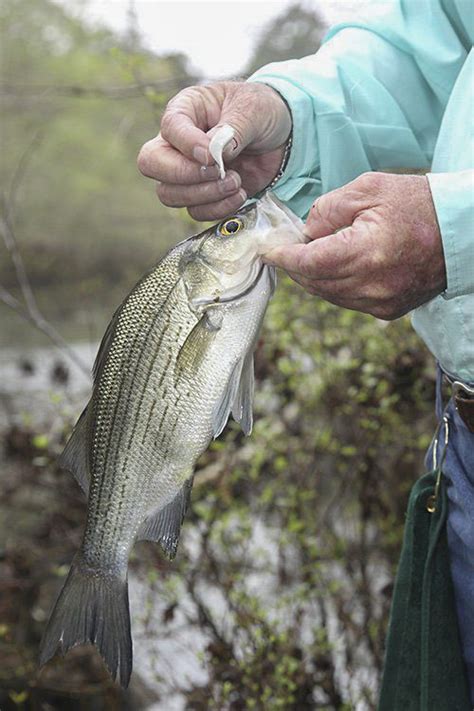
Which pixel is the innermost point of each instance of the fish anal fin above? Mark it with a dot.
(164, 527)
(75, 454)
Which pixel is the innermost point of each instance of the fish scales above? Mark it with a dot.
(130, 405)
(175, 361)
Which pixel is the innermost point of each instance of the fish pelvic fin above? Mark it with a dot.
(164, 527)
(237, 398)
(242, 405)
(92, 608)
(75, 457)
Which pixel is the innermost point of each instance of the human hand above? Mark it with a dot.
(375, 246)
(262, 124)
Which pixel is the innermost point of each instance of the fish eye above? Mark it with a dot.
(230, 227)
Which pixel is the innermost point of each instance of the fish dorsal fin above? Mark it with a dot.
(74, 457)
(236, 398)
(164, 527)
(242, 405)
(104, 345)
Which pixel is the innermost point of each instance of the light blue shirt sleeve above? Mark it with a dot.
(453, 197)
(373, 98)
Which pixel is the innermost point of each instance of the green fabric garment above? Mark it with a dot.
(424, 669)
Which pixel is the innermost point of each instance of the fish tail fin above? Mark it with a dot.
(92, 607)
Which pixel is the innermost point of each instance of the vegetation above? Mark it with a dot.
(77, 103)
(283, 578)
(295, 33)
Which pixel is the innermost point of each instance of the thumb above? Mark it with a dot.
(236, 128)
(328, 258)
(337, 209)
(260, 118)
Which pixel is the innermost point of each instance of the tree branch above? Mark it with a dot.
(37, 320)
(30, 310)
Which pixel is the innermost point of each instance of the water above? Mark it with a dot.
(37, 383)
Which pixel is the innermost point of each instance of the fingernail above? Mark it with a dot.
(243, 195)
(200, 155)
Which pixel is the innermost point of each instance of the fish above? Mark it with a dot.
(175, 361)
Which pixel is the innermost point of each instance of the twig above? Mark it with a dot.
(42, 325)
(21, 275)
(18, 175)
(30, 311)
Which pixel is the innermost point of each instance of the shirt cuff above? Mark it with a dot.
(300, 182)
(453, 198)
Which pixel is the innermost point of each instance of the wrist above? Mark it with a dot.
(285, 155)
(277, 119)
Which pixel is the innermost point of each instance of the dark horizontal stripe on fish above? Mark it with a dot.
(139, 407)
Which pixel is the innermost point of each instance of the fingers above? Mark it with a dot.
(258, 115)
(340, 207)
(328, 258)
(195, 114)
(179, 156)
(200, 194)
(187, 119)
(159, 160)
(183, 183)
(218, 210)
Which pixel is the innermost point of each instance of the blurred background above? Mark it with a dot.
(280, 593)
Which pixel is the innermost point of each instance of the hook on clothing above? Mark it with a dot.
(444, 423)
(432, 502)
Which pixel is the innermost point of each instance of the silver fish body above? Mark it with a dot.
(176, 360)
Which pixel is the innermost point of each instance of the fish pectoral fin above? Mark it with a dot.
(242, 405)
(74, 457)
(236, 398)
(194, 349)
(164, 527)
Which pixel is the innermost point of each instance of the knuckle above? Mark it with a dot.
(377, 260)
(197, 214)
(385, 311)
(165, 195)
(179, 175)
(318, 208)
(167, 121)
(143, 159)
(303, 266)
(370, 181)
(311, 289)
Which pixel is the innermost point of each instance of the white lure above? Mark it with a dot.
(220, 139)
